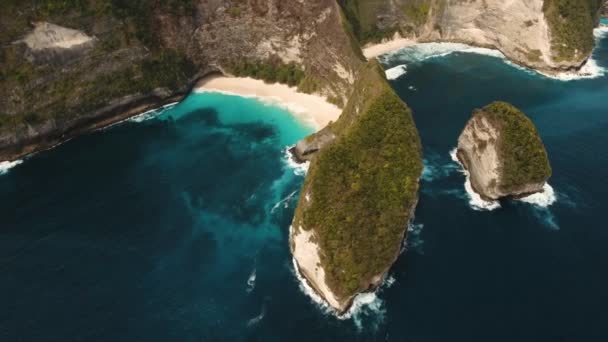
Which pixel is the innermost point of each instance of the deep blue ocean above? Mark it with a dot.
(173, 226)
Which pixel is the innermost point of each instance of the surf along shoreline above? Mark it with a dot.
(311, 110)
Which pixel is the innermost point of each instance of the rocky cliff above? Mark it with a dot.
(71, 66)
(359, 194)
(549, 35)
(503, 153)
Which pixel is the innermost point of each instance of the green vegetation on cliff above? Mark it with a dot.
(269, 71)
(361, 14)
(521, 151)
(571, 23)
(127, 59)
(363, 186)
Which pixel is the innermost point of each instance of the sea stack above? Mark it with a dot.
(503, 153)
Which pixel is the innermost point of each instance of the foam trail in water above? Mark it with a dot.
(475, 201)
(151, 114)
(299, 169)
(284, 201)
(7, 165)
(251, 281)
(414, 239)
(546, 217)
(257, 319)
(436, 168)
(396, 72)
(542, 199)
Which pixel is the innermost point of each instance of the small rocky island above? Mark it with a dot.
(501, 149)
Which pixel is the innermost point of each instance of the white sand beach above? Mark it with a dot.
(375, 50)
(312, 109)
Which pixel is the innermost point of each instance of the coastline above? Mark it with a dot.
(588, 69)
(386, 47)
(307, 108)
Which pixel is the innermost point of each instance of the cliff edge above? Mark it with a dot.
(359, 194)
(501, 149)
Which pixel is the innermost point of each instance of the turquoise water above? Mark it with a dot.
(175, 227)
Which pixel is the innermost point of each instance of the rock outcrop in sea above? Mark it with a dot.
(503, 153)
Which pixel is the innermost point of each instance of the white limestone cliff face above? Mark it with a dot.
(479, 153)
(306, 255)
(515, 27)
(518, 28)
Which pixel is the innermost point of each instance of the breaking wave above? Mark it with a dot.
(542, 199)
(475, 200)
(151, 114)
(257, 319)
(396, 72)
(299, 169)
(414, 239)
(251, 281)
(284, 201)
(366, 308)
(7, 165)
(435, 168)
(424, 51)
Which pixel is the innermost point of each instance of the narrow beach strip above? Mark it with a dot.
(310, 109)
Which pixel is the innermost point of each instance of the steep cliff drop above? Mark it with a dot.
(551, 36)
(359, 194)
(503, 153)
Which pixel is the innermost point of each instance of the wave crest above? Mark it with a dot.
(542, 199)
(5, 166)
(424, 51)
(299, 169)
(396, 72)
(475, 200)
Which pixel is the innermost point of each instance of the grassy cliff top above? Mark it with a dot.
(363, 186)
(523, 155)
(571, 23)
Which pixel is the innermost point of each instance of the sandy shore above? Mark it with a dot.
(312, 109)
(372, 51)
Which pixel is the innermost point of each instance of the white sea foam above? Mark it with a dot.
(284, 201)
(7, 165)
(396, 72)
(365, 305)
(475, 200)
(299, 169)
(414, 239)
(547, 218)
(542, 199)
(436, 168)
(257, 319)
(251, 281)
(424, 51)
(151, 114)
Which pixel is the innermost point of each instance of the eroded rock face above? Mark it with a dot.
(518, 28)
(501, 150)
(477, 151)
